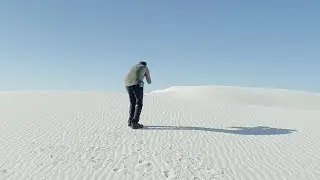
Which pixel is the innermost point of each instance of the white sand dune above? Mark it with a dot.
(205, 132)
(246, 96)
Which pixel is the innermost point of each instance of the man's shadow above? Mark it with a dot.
(258, 130)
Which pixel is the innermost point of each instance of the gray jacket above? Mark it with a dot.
(136, 75)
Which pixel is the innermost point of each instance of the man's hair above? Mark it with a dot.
(143, 63)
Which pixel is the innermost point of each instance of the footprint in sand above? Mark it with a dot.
(145, 168)
(166, 174)
(4, 171)
(116, 169)
(127, 172)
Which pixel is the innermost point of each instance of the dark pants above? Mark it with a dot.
(136, 102)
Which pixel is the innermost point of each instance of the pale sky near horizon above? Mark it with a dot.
(89, 45)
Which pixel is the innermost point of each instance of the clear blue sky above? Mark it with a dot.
(89, 45)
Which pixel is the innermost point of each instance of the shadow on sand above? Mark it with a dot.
(259, 130)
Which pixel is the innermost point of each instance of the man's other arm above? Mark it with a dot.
(147, 75)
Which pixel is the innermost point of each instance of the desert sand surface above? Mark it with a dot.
(191, 132)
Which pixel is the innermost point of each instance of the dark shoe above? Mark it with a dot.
(129, 124)
(136, 126)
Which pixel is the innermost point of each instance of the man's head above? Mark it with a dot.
(143, 63)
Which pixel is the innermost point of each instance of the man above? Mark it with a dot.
(134, 86)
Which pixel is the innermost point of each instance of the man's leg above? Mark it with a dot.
(139, 104)
(132, 108)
